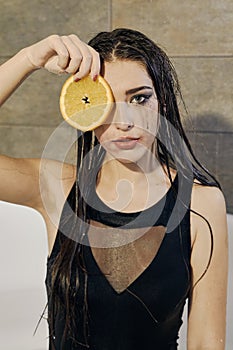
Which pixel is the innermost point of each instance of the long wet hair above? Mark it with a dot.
(130, 45)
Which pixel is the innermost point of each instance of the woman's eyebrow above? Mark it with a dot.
(132, 91)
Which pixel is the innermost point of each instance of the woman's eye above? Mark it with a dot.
(140, 99)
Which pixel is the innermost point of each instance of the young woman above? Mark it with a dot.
(144, 225)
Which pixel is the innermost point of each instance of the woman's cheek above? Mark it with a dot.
(99, 132)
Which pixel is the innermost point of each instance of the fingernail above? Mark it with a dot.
(95, 77)
(77, 79)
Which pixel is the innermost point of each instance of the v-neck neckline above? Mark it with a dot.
(136, 280)
(111, 218)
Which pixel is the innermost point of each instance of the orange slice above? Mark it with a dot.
(86, 104)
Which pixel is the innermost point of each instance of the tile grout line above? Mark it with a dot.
(201, 56)
(2, 125)
(109, 15)
(195, 131)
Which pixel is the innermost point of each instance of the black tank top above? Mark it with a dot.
(148, 313)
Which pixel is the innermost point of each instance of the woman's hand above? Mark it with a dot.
(64, 54)
(57, 54)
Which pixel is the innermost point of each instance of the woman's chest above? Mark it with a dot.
(124, 263)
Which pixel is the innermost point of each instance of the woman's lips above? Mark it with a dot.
(126, 142)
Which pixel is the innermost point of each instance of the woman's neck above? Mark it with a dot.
(117, 170)
(129, 186)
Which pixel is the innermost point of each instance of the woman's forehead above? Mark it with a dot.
(125, 75)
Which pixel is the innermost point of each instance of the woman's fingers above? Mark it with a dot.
(95, 68)
(71, 55)
(89, 57)
(60, 50)
(75, 55)
(90, 62)
(65, 54)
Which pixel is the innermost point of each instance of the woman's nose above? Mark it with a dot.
(123, 118)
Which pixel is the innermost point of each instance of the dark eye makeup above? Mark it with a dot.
(140, 99)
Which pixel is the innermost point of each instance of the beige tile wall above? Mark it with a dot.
(29, 117)
(191, 27)
(197, 35)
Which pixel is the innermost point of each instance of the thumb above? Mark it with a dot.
(53, 65)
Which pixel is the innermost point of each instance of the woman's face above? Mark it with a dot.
(129, 132)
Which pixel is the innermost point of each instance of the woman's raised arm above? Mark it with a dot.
(57, 54)
(19, 178)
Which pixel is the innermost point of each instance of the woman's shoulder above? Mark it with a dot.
(208, 207)
(206, 198)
